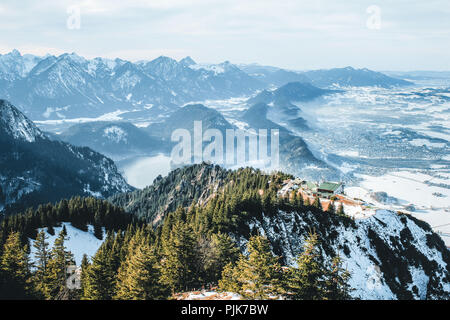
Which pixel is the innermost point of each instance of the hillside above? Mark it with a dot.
(235, 227)
(389, 255)
(35, 169)
(114, 139)
(184, 118)
(181, 187)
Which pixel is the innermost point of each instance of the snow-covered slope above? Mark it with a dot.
(78, 242)
(390, 256)
(16, 125)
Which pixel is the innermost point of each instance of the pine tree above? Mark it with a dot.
(99, 280)
(223, 252)
(84, 267)
(60, 259)
(317, 203)
(337, 287)
(299, 200)
(42, 257)
(260, 272)
(307, 202)
(14, 269)
(138, 277)
(230, 279)
(306, 281)
(340, 211)
(331, 208)
(178, 260)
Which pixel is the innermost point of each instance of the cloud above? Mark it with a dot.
(296, 33)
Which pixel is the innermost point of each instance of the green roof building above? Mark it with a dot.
(330, 188)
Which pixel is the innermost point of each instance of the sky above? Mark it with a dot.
(294, 34)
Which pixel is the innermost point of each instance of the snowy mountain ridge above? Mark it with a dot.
(15, 124)
(389, 255)
(73, 85)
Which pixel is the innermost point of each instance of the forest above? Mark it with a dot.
(194, 247)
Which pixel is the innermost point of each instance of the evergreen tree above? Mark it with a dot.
(60, 259)
(138, 277)
(230, 279)
(306, 282)
(99, 280)
(42, 256)
(178, 260)
(337, 287)
(84, 267)
(307, 202)
(259, 274)
(331, 208)
(317, 203)
(223, 252)
(340, 211)
(14, 269)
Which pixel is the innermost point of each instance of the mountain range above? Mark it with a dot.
(70, 86)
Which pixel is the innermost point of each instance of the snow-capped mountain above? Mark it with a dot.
(14, 66)
(15, 125)
(70, 86)
(35, 169)
(351, 77)
(290, 92)
(325, 78)
(273, 76)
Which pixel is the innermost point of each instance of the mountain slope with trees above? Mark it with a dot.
(247, 239)
(35, 169)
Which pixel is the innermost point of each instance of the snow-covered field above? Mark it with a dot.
(79, 242)
(409, 192)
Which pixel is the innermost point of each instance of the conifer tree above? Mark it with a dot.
(337, 287)
(60, 259)
(331, 208)
(317, 203)
(306, 282)
(230, 279)
(307, 202)
(99, 280)
(42, 256)
(299, 200)
(84, 267)
(223, 252)
(260, 272)
(14, 269)
(340, 211)
(178, 260)
(139, 277)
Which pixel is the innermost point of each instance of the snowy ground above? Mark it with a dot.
(431, 202)
(79, 242)
(207, 295)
